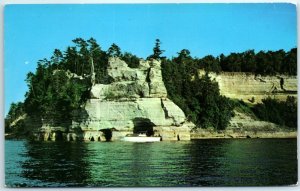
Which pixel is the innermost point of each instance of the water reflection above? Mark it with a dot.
(206, 159)
(123, 164)
(136, 164)
(58, 163)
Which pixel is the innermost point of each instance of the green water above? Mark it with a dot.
(230, 162)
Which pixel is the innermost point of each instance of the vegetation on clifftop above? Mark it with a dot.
(60, 85)
(264, 63)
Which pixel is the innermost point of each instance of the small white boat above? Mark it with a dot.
(141, 138)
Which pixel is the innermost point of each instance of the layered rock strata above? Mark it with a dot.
(135, 100)
(253, 88)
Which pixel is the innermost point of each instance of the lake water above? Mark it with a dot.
(226, 162)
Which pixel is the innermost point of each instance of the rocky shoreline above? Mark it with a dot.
(206, 134)
(228, 135)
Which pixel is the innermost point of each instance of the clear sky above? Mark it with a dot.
(32, 32)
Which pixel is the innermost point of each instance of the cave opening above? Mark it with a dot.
(58, 135)
(107, 134)
(71, 138)
(143, 125)
(92, 138)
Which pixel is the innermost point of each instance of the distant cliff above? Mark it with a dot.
(253, 88)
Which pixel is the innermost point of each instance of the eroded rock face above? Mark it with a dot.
(142, 82)
(136, 96)
(121, 114)
(156, 84)
(253, 88)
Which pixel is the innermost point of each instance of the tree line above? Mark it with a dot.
(264, 63)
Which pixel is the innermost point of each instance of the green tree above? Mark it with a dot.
(71, 61)
(277, 59)
(83, 56)
(210, 64)
(280, 112)
(57, 58)
(249, 62)
(114, 51)
(183, 55)
(157, 52)
(132, 60)
(289, 64)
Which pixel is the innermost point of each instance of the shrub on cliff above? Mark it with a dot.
(281, 112)
(132, 60)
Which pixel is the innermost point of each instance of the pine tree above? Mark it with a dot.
(114, 51)
(156, 51)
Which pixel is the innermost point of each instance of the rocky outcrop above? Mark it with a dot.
(253, 88)
(142, 82)
(245, 126)
(136, 100)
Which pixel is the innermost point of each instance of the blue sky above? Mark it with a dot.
(32, 32)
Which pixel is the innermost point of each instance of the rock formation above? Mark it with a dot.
(136, 100)
(253, 88)
(243, 125)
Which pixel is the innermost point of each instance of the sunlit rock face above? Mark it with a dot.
(142, 82)
(136, 96)
(253, 88)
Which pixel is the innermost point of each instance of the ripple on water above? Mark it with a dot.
(250, 162)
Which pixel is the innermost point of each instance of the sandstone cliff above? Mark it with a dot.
(136, 100)
(253, 88)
